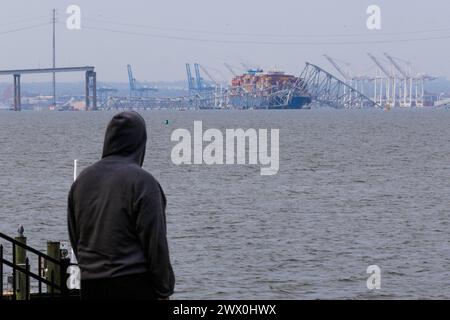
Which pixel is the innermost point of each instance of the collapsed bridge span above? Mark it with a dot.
(326, 89)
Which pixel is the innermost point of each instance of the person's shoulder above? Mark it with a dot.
(142, 176)
(146, 176)
(87, 172)
(126, 173)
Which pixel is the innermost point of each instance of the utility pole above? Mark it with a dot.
(54, 57)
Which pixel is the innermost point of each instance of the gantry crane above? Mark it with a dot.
(198, 79)
(406, 78)
(136, 87)
(190, 79)
(388, 80)
(209, 75)
(345, 74)
(197, 83)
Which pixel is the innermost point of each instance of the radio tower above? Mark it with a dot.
(54, 58)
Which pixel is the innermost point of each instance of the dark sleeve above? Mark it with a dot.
(73, 235)
(151, 228)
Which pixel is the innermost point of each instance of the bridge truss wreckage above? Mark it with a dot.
(326, 89)
(314, 83)
(149, 103)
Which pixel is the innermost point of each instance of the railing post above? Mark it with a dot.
(40, 276)
(14, 275)
(1, 271)
(27, 280)
(20, 260)
(53, 250)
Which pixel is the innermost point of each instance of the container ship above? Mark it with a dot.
(274, 89)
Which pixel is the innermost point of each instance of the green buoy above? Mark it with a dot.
(166, 122)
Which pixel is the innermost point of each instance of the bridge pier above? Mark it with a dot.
(17, 100)
(91, 83)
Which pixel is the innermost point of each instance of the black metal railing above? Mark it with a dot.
(56, 283)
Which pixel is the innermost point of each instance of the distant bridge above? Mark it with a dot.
(90, 82)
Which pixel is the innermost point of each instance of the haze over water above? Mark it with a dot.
(355, 188)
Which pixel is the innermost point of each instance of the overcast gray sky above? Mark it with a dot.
(158, 37)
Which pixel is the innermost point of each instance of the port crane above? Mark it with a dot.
(136, 89)
(197, 83)
(353, 81)
(414, 81)
(201, 93)
(190, 79)
(198, 79)
(345, 74)
(406, 79)
(420, 78)
(388, 81)
(219, 92)
(208, 75)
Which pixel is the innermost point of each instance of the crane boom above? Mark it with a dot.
(337, 67)
(397, 66)
(378, 63)
(190, 79)
(230, 69)
(198, 79)
(130, 77)
(208, 75)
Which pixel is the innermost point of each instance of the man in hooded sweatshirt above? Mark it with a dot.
(116, 220)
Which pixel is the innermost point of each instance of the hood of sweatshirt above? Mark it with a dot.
(126, 136)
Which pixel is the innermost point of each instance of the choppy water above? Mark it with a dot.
(355, 188)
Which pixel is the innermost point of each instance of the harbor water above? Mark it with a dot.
(354, 189)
